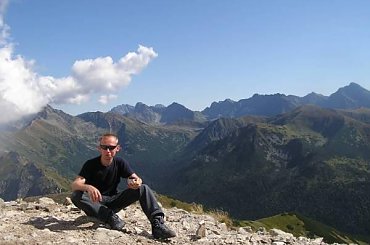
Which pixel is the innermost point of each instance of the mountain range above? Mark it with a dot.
(254, 158)
(349, 97)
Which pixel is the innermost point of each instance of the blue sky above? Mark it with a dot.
(189, 52)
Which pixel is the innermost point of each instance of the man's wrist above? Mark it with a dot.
(87, 187)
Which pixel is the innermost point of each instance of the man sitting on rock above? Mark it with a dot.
(95, 190)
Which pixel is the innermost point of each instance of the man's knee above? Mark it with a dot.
(145, 187)
(82, 201)
(146, 190)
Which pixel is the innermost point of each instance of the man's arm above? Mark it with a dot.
(79, 185)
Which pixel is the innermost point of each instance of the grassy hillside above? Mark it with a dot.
(300, 225)
(20, 178)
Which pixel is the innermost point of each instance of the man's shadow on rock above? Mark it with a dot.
(81, 223)
(54, 224)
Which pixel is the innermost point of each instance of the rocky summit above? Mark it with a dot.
(46, 222)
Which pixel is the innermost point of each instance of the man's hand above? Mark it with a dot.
(134, 182)
(79, 184)
(94, 193)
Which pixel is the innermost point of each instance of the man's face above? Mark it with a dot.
(108, 148)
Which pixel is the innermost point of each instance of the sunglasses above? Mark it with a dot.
(108, 147)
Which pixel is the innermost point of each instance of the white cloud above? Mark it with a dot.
(20, 92)
(104, 99)
(102, 74)
(23, 91)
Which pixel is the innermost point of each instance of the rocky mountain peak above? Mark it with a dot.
(350, 96)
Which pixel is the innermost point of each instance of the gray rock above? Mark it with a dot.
(46, 201)
(201, 231)
(47, 222)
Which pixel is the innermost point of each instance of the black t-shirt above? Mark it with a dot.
(105, 179)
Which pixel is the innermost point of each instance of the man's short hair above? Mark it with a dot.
(109, 135)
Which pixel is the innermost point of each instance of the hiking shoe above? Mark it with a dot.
(115, 222)
(160, 230)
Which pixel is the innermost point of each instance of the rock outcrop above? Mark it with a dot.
(47, 222)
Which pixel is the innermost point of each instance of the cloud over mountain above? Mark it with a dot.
(23, 91)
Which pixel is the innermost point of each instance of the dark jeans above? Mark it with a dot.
(102, 210)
